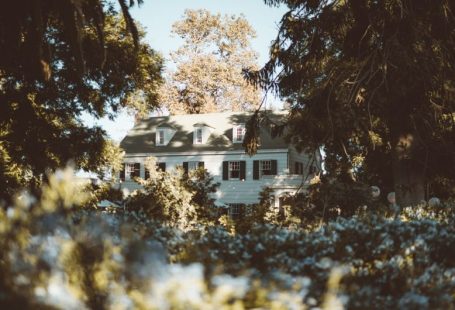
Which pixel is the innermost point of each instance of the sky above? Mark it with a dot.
(157, 16)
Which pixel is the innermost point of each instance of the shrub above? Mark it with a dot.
(175, 198)
(58, 254)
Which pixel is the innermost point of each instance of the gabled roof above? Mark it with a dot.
(141, 139)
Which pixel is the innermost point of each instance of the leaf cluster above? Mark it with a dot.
(361, 74)
(209, 64)
(62, 60)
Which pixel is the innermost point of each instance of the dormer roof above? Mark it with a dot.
(202, 124)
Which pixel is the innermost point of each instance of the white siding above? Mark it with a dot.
(233, 191)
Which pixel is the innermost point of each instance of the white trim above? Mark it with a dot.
(235, 134)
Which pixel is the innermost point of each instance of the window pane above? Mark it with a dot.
(129, 171)
(192, 165)
(199, 135)
(239, 134)
(234, 170)
(266, 167)
(235, 210)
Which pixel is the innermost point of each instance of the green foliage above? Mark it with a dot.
(200, 183)
(384, 262)
(257, 214)
(369, 80)
(331, 198)
(61, 60)
(176, 199)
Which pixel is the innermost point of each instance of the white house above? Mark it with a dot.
(214, 141)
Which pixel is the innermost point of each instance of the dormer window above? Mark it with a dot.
(238, 133)
(198, 136)
(201, 133)
(164, 134)
(160, 137)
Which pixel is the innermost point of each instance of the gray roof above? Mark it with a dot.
(141, 139)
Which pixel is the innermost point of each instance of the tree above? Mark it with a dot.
(61, 59)
(373, 83)
(176, 198)
(209, 65)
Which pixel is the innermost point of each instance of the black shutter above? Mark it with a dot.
(137, 170)
(256, 170)
(122, 173)
(162, 166)
(146, 174)
(274, 167)
(185, 167)
(200, 165)
(225, 170)
(242, 170)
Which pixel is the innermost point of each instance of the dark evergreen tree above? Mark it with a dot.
(373, 83)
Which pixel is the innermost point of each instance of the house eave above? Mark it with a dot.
(200, 153)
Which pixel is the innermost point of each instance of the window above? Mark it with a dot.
(189, 166)
(193, 165)
(129, 171)
(198, 135)
(164, 134)
(235, 210)
(264, 167)
(298, 168)
(238, 133)
(160, 138)
(159, 167)
(234, 170)
(132, 170)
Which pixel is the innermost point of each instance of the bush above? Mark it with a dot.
(58, 254)
(175, 198)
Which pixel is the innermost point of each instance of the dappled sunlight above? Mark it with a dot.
(345, 199)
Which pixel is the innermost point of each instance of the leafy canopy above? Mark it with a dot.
(61, 59)
(373, 83)
(209, 64)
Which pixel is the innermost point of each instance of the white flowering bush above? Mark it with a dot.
(389, 261)
(56, 254)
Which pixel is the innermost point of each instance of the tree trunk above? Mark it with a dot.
(408, 171)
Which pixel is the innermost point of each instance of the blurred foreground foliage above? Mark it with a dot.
(59, 252)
